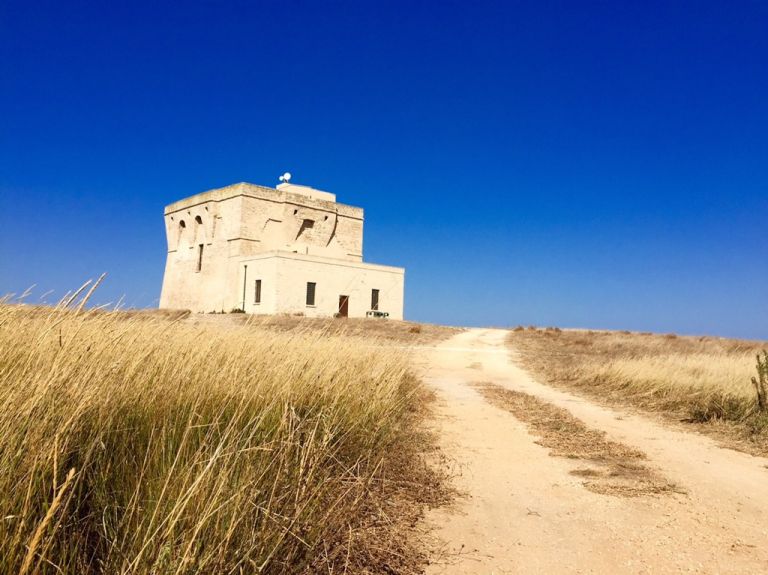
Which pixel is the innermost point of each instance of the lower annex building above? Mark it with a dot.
(290, 249)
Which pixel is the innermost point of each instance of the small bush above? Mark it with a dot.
(761, 382)
(719, 406)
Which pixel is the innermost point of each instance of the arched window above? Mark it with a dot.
(198, 219)
(180, 236)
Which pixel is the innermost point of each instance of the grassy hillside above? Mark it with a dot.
(140, 443)
(701, 380)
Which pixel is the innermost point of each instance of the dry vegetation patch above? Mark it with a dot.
(612, 468)
(387, 330)
(702, 380)
(134, 443)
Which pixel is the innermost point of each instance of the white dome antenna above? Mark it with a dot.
(286, 177)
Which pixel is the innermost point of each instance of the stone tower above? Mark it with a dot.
(290, 249)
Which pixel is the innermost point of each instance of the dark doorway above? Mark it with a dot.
(343, 306)
(311, 293)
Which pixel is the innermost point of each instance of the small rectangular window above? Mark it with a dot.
(199, 257)
(257, 292)
(311, 293)
(375, 299)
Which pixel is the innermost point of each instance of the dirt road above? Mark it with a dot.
(523, 511)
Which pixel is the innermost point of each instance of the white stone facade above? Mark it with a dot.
(256, 248)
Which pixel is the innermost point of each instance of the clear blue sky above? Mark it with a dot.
(596, 164)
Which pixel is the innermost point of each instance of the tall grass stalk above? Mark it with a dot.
(135, 444)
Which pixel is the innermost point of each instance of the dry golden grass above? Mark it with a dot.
(135, 443)
(701, 379)
(695, 378)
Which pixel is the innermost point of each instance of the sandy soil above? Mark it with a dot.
(522, 511)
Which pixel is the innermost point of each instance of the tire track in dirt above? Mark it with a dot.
(610, 468)
(526, 512)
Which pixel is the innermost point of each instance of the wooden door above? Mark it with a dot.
(343, 306)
